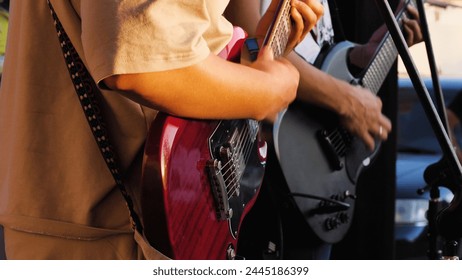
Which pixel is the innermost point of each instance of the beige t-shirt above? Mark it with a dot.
(53, 180)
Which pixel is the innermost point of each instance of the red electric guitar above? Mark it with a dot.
(200, 177)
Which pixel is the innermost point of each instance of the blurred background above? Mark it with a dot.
(417, 143)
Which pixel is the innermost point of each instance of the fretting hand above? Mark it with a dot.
(305, 14)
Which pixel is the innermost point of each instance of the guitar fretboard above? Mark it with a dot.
(378, 70)
(278, 34)
(383, 61)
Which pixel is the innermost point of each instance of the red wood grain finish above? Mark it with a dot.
(181, 192)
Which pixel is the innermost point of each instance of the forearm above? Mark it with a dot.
(359, 110)
(321, 89)
(212, 89)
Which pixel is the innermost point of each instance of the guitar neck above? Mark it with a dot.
(279, 31)
(383, 60)
(380, 66)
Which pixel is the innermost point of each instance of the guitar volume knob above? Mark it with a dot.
(344, 218)
(331, 223)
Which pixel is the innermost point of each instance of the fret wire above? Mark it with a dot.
(382, 63)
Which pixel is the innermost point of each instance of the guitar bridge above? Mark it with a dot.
(230, 146)
(218, 185)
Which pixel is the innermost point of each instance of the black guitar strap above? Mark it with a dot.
(88, 94)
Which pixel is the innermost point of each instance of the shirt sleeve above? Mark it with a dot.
(137, 36)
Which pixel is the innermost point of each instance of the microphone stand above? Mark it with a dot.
(434, 203)
(448, 171)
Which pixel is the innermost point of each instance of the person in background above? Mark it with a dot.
(372, 233)
(359, 110)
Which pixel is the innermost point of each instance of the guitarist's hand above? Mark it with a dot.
(285, 79)
(411, 25)
(361, 55)
(364, 117)
(305, 14)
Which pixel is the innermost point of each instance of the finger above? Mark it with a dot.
(414, 26)
(409, 35)
(310, 10)
(386, 123)
(368, 140)
(316, 6)
(298, 29)
(413, 13)
(381, 133)
(303, 15)
(384, 128)
(304, 20)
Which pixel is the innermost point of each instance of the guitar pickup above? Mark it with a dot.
(330, 146)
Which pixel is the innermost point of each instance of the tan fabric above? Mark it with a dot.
(54, 185)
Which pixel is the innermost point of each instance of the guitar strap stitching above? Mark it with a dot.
(87, 92)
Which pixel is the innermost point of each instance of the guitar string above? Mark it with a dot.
(231, 178)
(285, 16)
(246, 153)
(230, 173)
(233, 188)
(372, 83)
(232, 181)
(285, 22)
(387, 56)
(235, 151)
(338, 141)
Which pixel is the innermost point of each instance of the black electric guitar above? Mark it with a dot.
(320, 160)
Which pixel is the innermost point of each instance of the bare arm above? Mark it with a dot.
(219, 89)
(215, 88)
(359, 109)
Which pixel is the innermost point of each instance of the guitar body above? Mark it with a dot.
(182, 207)
(200, 178)
(320, 160)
